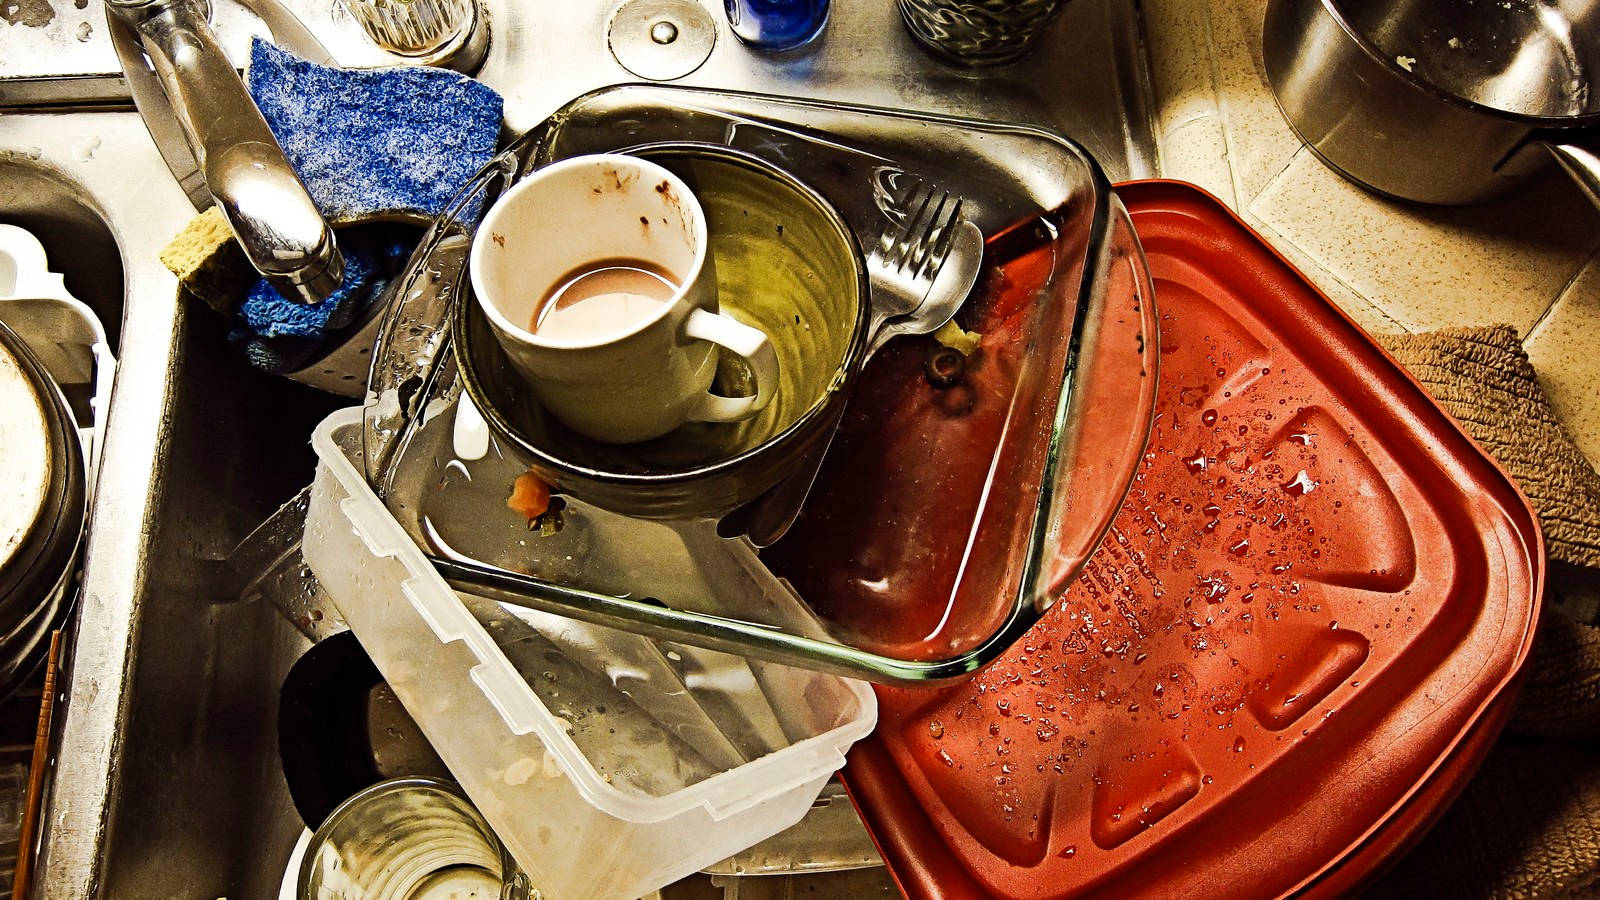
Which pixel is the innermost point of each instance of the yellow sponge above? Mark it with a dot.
(209, 263)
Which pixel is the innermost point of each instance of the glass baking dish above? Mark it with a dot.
(984, 500)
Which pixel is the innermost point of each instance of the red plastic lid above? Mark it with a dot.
(1294, 646)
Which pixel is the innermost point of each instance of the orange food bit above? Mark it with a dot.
(529, 496)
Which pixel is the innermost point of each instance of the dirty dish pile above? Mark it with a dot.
(56, 374)
(1059, 248)
(780, 260)
(42, 509)
(614, 760)
(596, 276)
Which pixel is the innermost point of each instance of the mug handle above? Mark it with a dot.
(750, 343)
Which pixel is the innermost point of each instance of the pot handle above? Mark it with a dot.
(1582, 163)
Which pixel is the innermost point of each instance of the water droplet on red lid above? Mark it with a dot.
(1301, 484)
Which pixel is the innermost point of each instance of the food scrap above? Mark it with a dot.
(945, 367)
(957, 338)
(529, 496)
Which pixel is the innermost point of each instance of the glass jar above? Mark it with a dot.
(777, 24)
(450, 33)
(979, 32)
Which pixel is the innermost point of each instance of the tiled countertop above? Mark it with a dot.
(1531, 260)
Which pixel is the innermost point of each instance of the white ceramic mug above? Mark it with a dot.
(650, 373)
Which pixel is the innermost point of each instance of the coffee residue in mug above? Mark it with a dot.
(671, 197)
(613, 181)
(603, 298)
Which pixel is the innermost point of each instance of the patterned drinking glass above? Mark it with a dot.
(433, 32)
(979, 32)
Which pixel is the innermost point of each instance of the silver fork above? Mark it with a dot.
(910, 252)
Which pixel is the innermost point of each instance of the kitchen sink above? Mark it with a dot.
(166, 779)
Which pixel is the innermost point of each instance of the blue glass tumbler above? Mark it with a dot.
(777, 24)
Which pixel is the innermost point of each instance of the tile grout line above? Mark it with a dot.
(1165, 92)
(1549, 311)
(1281, 240)
(1276, 176)
(1200, 51)
(1214, 67)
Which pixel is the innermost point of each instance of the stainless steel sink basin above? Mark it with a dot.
(166, 778)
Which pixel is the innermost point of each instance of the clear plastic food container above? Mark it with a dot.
(609, 764)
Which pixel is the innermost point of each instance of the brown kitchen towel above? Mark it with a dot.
(1483, 377)
(1528, 825)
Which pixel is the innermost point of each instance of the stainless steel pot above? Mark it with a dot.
(1440, 101)
(42, 509)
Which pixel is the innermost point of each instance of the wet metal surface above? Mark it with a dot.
(166, 779)
(1087, 80)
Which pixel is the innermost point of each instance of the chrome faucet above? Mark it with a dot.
(239, 160)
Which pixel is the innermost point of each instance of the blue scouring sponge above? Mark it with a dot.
(281, 334)
(382, 143)
(372, 255)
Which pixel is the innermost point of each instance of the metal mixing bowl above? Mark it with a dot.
(787, 264)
